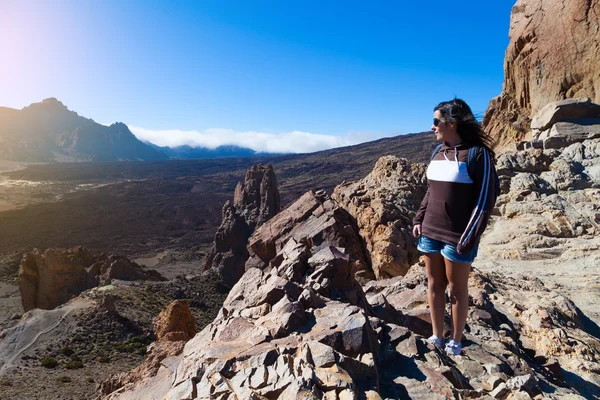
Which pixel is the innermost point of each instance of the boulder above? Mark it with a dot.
(175, 321)
(383, 205)
(535, 70)
(255, 201)
(564, 110)
(562, 134)
(119, 267)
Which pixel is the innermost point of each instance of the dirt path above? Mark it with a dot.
(35, 324)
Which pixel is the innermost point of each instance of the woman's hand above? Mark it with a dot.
(417, 230)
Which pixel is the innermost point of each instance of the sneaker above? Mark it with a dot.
(453, 348)
(436, 341)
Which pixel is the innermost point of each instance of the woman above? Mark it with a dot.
(453, 215)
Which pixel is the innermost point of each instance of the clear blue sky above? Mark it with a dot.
(346, 68)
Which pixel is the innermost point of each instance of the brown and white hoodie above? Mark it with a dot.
(456, 208)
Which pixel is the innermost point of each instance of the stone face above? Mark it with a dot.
(255, 201)
(51, 278)
(383, 204)
(543, 34)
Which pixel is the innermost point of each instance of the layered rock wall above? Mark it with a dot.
(553, 54)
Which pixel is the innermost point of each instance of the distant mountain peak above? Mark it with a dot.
(51, 103)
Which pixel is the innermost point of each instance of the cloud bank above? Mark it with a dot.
(288, 142)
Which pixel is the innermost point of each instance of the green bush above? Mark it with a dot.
(103, 359)
(49, 362)
(73, 365)
(67, 351)
(63, 379)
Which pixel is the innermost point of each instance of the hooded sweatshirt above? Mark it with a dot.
(456, 208)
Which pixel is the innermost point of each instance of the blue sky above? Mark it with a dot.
(295, 75)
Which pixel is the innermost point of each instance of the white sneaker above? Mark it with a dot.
(453, 348)
(436, 341)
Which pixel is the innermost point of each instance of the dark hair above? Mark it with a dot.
(467, 127)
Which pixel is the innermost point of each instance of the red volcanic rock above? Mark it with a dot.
(553, 54)
(176, 322)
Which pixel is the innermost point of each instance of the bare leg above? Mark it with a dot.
(436, 293)
(458, 282)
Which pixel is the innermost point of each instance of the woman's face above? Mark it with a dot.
(444, 131)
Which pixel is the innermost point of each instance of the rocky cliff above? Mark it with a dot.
(553, 54)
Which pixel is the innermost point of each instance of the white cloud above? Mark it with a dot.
(288, 142)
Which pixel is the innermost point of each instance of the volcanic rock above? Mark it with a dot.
(255, 201)
(176, 321)
(106, 269)
(291, 240)
(173, 327)
(298, 323)
(564, 110)
(549, 196)
(49, 279)
(552, 55)
(383, 204)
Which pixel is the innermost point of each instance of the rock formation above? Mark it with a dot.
(105, 269)
(299, 325)
(173, 327)
(383, 204)
(552, 193)
(255, 201)
(51, 278)
(553, 54)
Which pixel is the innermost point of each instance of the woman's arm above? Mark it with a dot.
(418, 219)
(485, 197)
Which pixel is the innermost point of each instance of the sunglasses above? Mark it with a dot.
(436, 121)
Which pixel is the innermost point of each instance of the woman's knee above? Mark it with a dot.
(437, 285)
(457, 292)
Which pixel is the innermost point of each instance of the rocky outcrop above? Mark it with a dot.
(255, 201)
(299, 325)
(553, 54)
(383, 204)
(280, 339)
(176, 322)
(312, 223)
(551, 194)
(51, 278)
(105, 269)
(173, 327)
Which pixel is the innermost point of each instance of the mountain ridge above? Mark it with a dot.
(48, 131)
